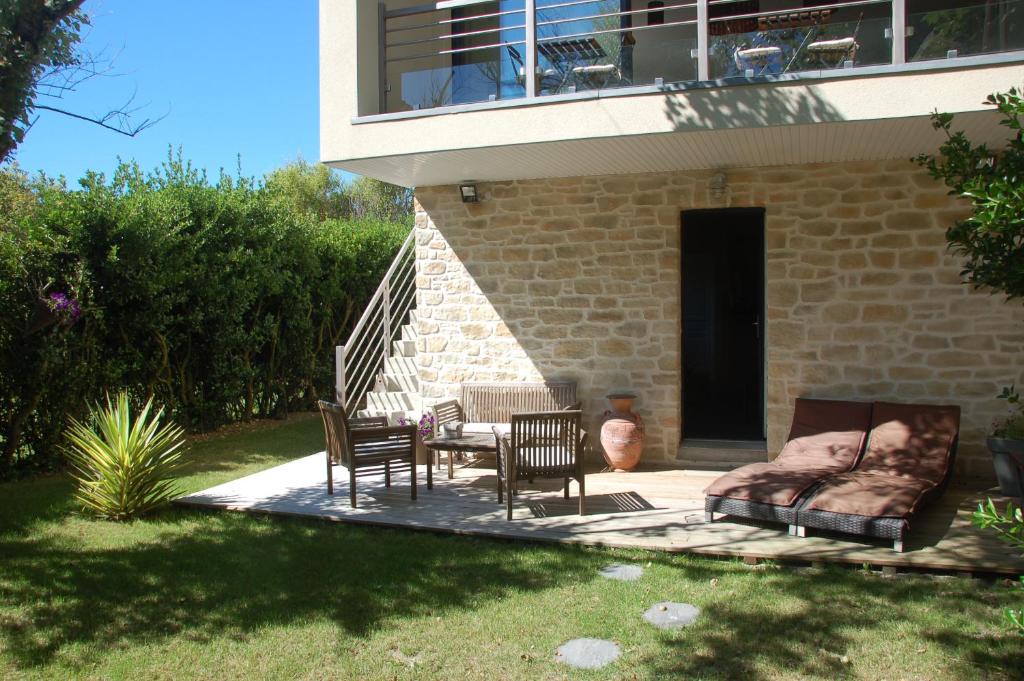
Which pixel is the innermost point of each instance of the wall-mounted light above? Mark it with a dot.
(468, 193)
(717, 185)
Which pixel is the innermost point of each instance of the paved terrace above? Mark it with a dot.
(647, 509)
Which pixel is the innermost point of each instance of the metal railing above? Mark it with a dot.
(449, 52)
(358, 363)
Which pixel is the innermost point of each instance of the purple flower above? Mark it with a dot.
(65, 306)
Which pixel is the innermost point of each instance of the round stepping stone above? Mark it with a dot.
(622, 572)
(588, 653)
(669, 615)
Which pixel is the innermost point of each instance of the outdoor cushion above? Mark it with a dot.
(908, 456)
(826, 437)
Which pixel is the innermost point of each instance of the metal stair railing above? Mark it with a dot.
(359, 362)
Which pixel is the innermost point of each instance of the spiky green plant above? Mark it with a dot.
(124, 467)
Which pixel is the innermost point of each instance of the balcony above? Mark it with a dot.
(425, 94)
(462, 52)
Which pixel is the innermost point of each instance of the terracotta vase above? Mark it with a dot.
(622, 434)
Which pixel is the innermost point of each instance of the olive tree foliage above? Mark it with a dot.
(41, 57)
(991, 240)
(214, 298)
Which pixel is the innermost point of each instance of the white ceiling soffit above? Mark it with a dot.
(696, 150)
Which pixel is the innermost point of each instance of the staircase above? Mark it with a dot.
(376, 372)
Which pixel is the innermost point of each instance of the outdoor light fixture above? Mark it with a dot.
(468, 193)
(717, 185)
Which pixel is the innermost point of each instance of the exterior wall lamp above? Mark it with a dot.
(468, 193)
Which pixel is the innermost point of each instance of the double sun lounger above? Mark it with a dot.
(852, 467)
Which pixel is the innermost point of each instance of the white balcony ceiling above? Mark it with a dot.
(823, 142)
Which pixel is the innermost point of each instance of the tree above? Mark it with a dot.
(310, 189)
(316, 190)
(40, 55)
(991, 240)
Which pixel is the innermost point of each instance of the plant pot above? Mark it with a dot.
(622, 434)
(422, 453)
(1007, 470)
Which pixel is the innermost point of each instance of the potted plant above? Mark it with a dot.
(424, 431)
(1008, 438)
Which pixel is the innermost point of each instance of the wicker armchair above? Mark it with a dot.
(541, 445)
(367, 446)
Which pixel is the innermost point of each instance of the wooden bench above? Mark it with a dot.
(496, 402)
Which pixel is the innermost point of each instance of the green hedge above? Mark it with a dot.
(213, 298)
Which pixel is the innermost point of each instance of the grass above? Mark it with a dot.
(188, 593)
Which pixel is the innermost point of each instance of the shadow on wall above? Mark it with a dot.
(747, 107)
(547, 280)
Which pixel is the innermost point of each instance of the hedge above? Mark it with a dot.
(212, 298)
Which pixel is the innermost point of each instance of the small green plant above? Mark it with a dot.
(1011, 427)
(1009, 525)
(124, 466)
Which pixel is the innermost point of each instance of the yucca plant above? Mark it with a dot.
(124, 466)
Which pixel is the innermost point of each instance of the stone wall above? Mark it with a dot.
(580, 278)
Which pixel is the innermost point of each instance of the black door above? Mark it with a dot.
(723, 325)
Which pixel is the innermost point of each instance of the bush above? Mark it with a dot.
(215, 299)
(124, 467)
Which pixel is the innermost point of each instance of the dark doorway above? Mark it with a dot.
(723, 324)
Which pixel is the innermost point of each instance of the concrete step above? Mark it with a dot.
(395, 366)
(409, 383)
(721, 455)
(404, 348)
(409, 332)
(389, 402)
(412, 317)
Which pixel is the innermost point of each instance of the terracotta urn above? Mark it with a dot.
(622, 433)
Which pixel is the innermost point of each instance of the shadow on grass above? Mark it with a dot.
(813, 631)
(232, 574)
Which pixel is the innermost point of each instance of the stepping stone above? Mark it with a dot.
(669, 615)
(622, 572)
(588, 653)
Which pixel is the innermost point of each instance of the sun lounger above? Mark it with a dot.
(826, 438)
(907, 464)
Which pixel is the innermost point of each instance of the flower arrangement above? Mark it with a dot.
(425, 427)
(1012, 426)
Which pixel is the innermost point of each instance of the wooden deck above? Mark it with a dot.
(653, 509)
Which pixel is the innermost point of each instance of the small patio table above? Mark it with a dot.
(476, 443)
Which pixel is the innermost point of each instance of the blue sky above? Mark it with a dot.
(232, 76)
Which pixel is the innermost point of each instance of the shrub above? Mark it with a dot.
(124, 466)
(1009, 525)
(218, 299)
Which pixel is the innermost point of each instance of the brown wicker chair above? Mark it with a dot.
(367, 446)
(541, 445)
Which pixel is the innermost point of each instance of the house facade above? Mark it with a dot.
(708, 203)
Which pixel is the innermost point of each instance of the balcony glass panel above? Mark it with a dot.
(614, 43)
(464, 54)
(938, 29)
(759, 37)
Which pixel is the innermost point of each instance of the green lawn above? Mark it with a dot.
(193, 594)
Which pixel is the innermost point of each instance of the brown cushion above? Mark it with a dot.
(908, 455)
(827, 434)
(826, 438)
(911, 440)
(767, 483)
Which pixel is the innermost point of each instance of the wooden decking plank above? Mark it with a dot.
(659, 510)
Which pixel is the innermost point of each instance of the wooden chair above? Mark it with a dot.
(367, 446)
(446, 412)
(541, 445)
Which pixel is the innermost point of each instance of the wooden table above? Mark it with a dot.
(476, 443)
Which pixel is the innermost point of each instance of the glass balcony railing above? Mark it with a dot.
(792, 37)
(449, 52)
(940, 29)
